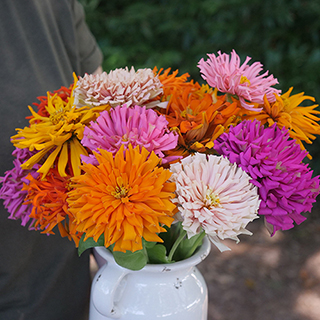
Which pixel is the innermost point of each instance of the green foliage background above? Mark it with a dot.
(284, 35)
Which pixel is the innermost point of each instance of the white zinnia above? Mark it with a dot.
(119, 87)
(215, 196)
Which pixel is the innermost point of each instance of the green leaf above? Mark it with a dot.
(187, 247)
(131, 260)
(148, 245)
(89, 243)
(170, 236)
(158, 254)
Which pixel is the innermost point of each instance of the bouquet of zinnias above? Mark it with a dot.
(147, 162)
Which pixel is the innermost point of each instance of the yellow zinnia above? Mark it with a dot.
(126, 198)
(286, 111)
(56, 136)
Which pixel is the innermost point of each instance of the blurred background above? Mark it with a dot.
(263, 277)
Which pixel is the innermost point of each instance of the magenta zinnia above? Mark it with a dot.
(274, 162)
(12, 183)
(123, 126)
(215, 196)
(243, 81)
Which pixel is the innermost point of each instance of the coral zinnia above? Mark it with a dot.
(11, 191)
(123, 126)
(228, 76)
(215, 196)
(49, 205)
(301, 121)
(56, 136)
(118, 87)
(274, 162)
(125, 198)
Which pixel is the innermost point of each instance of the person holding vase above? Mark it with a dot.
(42, 43)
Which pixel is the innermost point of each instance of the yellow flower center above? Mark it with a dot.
(211, 200)
(125, 138)
(186, 112)
(69, 186)
(57, 116)
(245, 80)
(121, 192)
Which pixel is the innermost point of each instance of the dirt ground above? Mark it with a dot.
(266, 278)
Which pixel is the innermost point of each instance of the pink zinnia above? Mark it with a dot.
(274, 162)
(123, 126)
(228, 76)
(215, 196)
(12, 183)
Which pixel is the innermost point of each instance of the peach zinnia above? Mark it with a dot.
(125, 198)
(119, 87)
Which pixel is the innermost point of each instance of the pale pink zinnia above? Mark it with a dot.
(118, 87)
(244, 81)
(215, 196)
(137, 126)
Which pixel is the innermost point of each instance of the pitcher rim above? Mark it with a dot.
(194, 260)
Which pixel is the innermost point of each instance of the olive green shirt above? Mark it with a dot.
(42, 42)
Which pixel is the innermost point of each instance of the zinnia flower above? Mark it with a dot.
(285, 183)
(286, 111)
(49, 205)
(64, 93)
(56, 136)
(171, 82)
(215, 196)
(118, 87)
(123, 126)
(126, 198)
(11, 191)
(199, 116)
(244, 81)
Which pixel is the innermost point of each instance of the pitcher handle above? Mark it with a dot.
(105, 285)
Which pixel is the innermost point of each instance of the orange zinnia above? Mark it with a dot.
(200, 117)
(171, 80)
(49, 205)
(125, 198)
(286, 111)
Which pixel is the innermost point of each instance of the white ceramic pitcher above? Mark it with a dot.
(174, 291)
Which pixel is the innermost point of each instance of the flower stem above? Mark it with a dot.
(176, 244)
